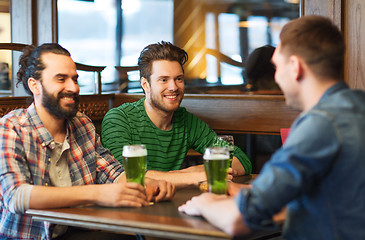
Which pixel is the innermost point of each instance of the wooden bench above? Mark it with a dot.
(253, 114)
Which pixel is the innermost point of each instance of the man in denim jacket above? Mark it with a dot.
(319, 173)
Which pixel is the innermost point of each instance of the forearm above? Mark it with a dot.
(237, 168)
(55, 197)
(179, 178)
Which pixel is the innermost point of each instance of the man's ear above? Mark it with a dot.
(145, 85)
(33, 85)
(297, 66)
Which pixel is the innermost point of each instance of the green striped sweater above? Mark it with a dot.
(166, 150)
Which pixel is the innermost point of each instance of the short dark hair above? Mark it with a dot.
(31, 65)
(319, 42)
(159, 51)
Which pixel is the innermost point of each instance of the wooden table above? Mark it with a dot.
(159, 220)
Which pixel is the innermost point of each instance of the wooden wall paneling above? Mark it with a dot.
(354, 33)
(95, 106)
(329, 8)
(8, 104)
(189, 34)
(242, 113)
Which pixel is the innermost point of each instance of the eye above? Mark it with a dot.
(75, 79)
(61, 79)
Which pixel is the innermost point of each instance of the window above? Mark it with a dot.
(218, 36)
(88, 31)
(92, 39)
(5, 56)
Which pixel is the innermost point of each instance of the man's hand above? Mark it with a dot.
(219, 210)
(193, 207)
(159, 190)
(121, 195)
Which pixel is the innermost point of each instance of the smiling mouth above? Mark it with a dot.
(171, 96)
(68, 100)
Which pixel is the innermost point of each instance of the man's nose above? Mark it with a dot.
(71, 85)
(172, 85)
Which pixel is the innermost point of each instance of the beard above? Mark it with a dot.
(157, 103)
(52, 104)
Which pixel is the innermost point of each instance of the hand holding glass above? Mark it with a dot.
(216, 161)
(135, 162)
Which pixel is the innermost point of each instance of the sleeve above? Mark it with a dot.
(244, 160)
(203, 136)
(292, 171)
(108, 168)
(101, 164)
(21, 199)
(14, 171)
(115, 132)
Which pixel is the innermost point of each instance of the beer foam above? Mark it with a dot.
(216, 156)
(134, 152)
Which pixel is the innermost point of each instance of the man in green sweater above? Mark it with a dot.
(158, 121)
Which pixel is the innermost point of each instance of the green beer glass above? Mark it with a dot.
(135, 162)
(216, 162)
(225, 141)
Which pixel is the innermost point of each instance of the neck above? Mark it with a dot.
(312, 91)
(161, 119)
(55, 126)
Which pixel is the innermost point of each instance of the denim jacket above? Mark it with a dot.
(318, 174)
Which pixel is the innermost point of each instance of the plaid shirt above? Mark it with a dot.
(25, 151)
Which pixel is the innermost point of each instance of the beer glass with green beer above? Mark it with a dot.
(135, 162)
(216, 162)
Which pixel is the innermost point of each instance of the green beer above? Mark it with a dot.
(216, 162)
(135, 162)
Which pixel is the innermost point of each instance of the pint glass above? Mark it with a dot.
(216, 162)
(135, 162)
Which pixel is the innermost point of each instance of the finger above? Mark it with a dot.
(135, 190)
(149, 190)
(133, 185)
(171, 191)
(189, 210)
(167, 193)
(129, 200)
(161, 194)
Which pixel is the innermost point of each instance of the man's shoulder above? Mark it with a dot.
(343, 101)
(17, 116)
(130, 108)
(130, 112)
(81, 118)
